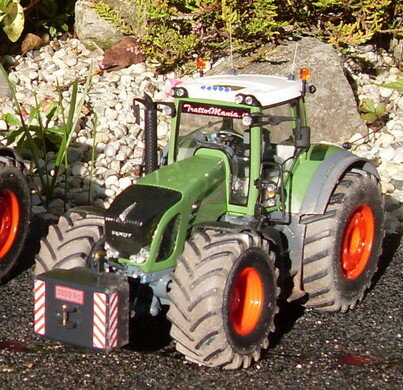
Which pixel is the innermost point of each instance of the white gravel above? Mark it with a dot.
(118, 138)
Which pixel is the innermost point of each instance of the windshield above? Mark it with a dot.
(208, 119)
(201, 125)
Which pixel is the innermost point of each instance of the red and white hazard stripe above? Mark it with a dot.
(113, 320)
(39, 307)
(105, 320)
(99, 321)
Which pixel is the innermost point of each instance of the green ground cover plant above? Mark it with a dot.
(33, 132)
(173, 31)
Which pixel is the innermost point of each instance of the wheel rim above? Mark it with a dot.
(357, 242)
(9, 220)
(246, 301)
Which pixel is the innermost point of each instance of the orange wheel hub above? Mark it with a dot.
(357, 242)
(9, 220)
(246, 301)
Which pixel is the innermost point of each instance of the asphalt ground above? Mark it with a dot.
(361, 349)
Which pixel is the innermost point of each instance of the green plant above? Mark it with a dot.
(372, 111)
(345, 22)
(11, 18)
(397, 85)
(35, 134)
(93, 153)
(174, 31)
(54, 16)
(113, 17)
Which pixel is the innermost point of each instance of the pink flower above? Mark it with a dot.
(101, 64)
(170, 84)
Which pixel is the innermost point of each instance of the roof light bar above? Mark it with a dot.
(249, 100)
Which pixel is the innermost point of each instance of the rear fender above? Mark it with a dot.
(315, 201)
(326, 178)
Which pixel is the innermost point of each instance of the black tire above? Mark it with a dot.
(207, 322)
(342, 247)
(69, 243)
(15, 214)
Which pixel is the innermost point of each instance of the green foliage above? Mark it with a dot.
(345, 22)
(37, 122)
(262, 18)
(33, 131)
(54, 16)
(174, 31)
(11, 18)
(397, 85)
(110, 15)
(371, 111)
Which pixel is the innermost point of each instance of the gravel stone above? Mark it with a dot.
(119, 139)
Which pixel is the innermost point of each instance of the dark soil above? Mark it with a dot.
(310, 350)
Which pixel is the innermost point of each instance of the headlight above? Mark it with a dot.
(240, 98)
(247, 120)
(140, 257)
(180, 92)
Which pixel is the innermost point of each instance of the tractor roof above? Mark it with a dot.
(268, 90)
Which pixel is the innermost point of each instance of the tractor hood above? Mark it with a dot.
(133, 216)
(193, 189)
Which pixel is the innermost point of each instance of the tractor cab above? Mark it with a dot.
(257, 122)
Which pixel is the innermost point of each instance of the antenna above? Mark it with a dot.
(231, 50)
(294, 61)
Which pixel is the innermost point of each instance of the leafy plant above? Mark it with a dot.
(33, 131)
(174, 31)
(93, 154)
(54, 16)
(397, 85)
(372, 111)
(11, 18)
(107, 13)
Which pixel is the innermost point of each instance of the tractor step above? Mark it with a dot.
(83, 308)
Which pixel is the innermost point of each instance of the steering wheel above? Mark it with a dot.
(230, 139)
(229, 135)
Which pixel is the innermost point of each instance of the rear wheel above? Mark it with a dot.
(69, 243)
(223, 299)
(342, 247)
(15, 211)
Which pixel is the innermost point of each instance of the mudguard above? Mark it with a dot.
(327, 176)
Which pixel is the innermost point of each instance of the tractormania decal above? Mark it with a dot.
(220, 111)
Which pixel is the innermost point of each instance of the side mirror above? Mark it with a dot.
(302, 137)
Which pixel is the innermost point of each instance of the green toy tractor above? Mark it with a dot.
(15, 210)
(240, 205)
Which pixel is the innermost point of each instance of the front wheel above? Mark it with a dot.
(223, 299)
(342, 247)
(69, 243)
(15, 211)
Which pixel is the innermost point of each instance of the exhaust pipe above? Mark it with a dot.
(150, 132)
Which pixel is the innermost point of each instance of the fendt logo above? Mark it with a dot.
(69, 294)
(121, 234)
